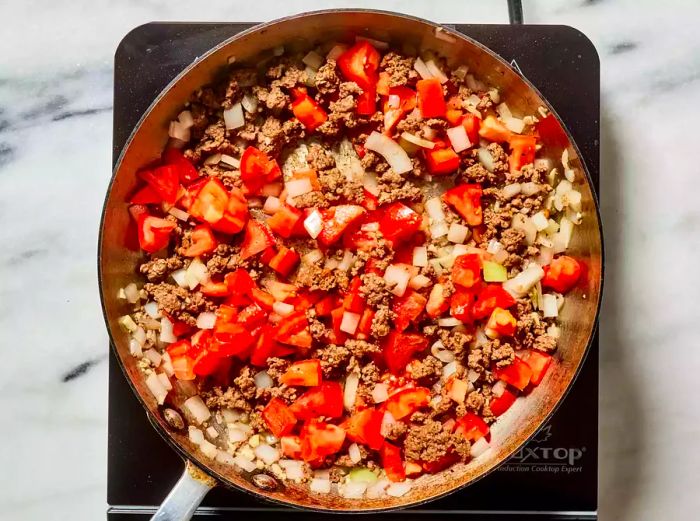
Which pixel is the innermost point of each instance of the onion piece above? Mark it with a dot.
(449, 369)
(313, 257)
(165, 381)
(524, 223)
(457, 233)
(180, 278)
(156, 387)
(153, 356)
(540, 221)
(263, 380)
(230, 161)
(438, 229)
(336, 51)
(397, 277)
(458, 138)
(418, 141)
(214, 159)
(206, 320)
(313, 224)
(195, 407)
(549, 306)
(268, 454)
(272, 204)
(349, 322)
(486, 159)
(391, 151)
(140, 335)
(523, 282)
(237, 435)
(352, 489)
(347, 261)
(422, 69)
(297, 187)
(166, 331)
(514, 124)
(511, 190)
(399, 489)
(178, 131)
(350, 390)
(233, 117)
(313, 60)
(434, 208)
(176, 212)
(195, 435)
(419, 281)
(224, 458)
(380, 393)
(479, 447)
(244, 464)
(320, 486)
(282, 308)
(420, 256)
(388, 421)
(498, 388)
(354, 453)
(196, 273)
(135, 348)
(131, 293)
(439, 351)
(449, 322)
(249, 103)
(435, 71)
(378, 489)
(185, 118)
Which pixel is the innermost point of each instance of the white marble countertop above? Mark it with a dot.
(55, 149)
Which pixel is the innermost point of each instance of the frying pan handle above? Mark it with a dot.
(185, 496)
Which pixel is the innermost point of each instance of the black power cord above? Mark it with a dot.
(515, 12)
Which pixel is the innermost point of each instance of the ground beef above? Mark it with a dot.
(313, 199)
(430, 442)
(545, 343)
(370, 373)
(319, 158)
(397, 187)
(502, 353)
(412, 124)
(224, 258)
(336, 187)
(400, 69)
(397, 431)
(496, 222)
(178, 302)
(374, 290)
(231, 398)
(273, 99)
(342, 113)
(237, 81)
(429, 369)
(333, 359)
(326, 79)
(500, 159)
(456, 341)
(381, 324)
(156, 270)
(318, 330)
(476, 174)
(245, 382)
(380, 252)
(476, 400)
(530, 325)
(361, 348)
(213, 141)
(316, 277)
(276, 367)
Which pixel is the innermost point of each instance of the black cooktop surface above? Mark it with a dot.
(554, 476)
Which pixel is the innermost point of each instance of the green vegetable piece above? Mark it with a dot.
(494, 272)
(362, 474)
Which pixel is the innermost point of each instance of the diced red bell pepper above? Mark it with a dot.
(522, 151)
(265, 347)
(517, 374)
(462, 305)
(233, 338)
(183, 366)
(308, 112)
(164, 181)
(466, 270)
(407, 308)
(539, 363)
(279, 418)
(291, 446)
(258, 169)
(281, 291)
(258, 238)
(471, 123)
(207, 360)
(453, 116)
(359, 64)
(338, 336)
(400, 349)
(383, 84)
(326, 305)
(441, 161)
(323, 400)
(252, 316)
(472, 427)
(431, 100)
(501, 323)
(294, 330)
(336, 219)
(319, 440)
(444, 461)
(239, 282)
(437, 301)
(202, 241)
(305, 372)
(494, 130)
(391, 462)
(400, 100)
(214, 289)
(399, 222)
(190, 193)
(551, 132)
(353, 301)
(562, 274)
(364, 328)
(365, 427)
(235, 213)
(210, 202)
(492, 296)
(186, 171)
(309, 174)
(501, 404)
(262, 298)
(145, 195)
(284, 261)
(466, 200)
(154, 232)
(408, 401)
(367, 102)
(180, 328)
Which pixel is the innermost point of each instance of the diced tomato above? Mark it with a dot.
(400, 349)
(187, 199)
(262, 298)
(466, 199)
(399, 222)
(202, 241)
(291, 446)
(258, 169)
(437, 302)
(284, 261)
(279, 418)
(319, 440)
(338, 336)
(391, 462)
(501, 323)
(305, 372)
(265, 346)
(365, 427)
(441, 161)
(408, 401)
(294, 330)
(431, 100)
(309, 112)
(180, 328)
(214, 289)
(501, 404)
(562, 274)
(444, 461)
(453, 116)
(462, 305)
(326, 305)
(233, 338)
(492, 296)
(258, 237)
(359, 64)
(466, 270)
(551, 132)
(471, 123)
(252, 316)
(517, 374)
(457, 389)
(408, 308)
(145, 195)
(413, 469)
(239, 282)
(210, 202)
(539, 363)
(267, 255)
(494, 130)
(235, 214)
(364, 328)
(353, 301)
(154, 232)
(336, 219)
(164, 181)
(186, 171)
(522, 151)
(367, 102)
(323, 400)
(207, 361)
(383, 84)
(472, 427)
(183, 366)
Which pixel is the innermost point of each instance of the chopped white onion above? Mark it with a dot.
(420, 256)
(378, 489)
(195, 435)
(354, 453)
(214, 159)
(498, 388)
(180, 278)
(391, 151)
(331, 263)
(494, 247)
(380, 393)
(206, 320)
(313, 60)
(540, 221)
(336, 51)
(237, 435)
(449, 369)
(178, 131)
(479, 447)
(429, 132)
(347, 261)
(369, 183)
(156, 387)
(349, 322)
(267, 453)
(399, 489)
(320, 486)
(135, 348)
(562, 238)
(549, 306)
(179, 214)
(225, 458)
(350, 391)
(244, 464)
(397, 277)
(263, 380)
(293, 468)
(435, 71)
(419, 281)
(131, 291)
(153, 356)
(418, 141)
(196, 408)
(185, 118)
(439, 351)
(511, 190)
(272, 204)
(458, 138)
(208, 449)
(472, 376)
(422, 69)
(313, 224)
(434, 208)
(322, 473)
(297, 187)
(282, 308)
(352, 489)
(516, 125)
(523, 282)
(167, 364)
(503, 110)
(546, 256)
(233, 117)
(486, 159)
(524, 223)
(313, 257)
(140, 335)
(457, 233)
(449, 322)
(438, 229)
(250, 103)
(461, 71)
(530, 188)
(196, 273)
(166, 331)
(230, 161)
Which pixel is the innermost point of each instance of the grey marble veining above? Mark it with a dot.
(55, 156)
